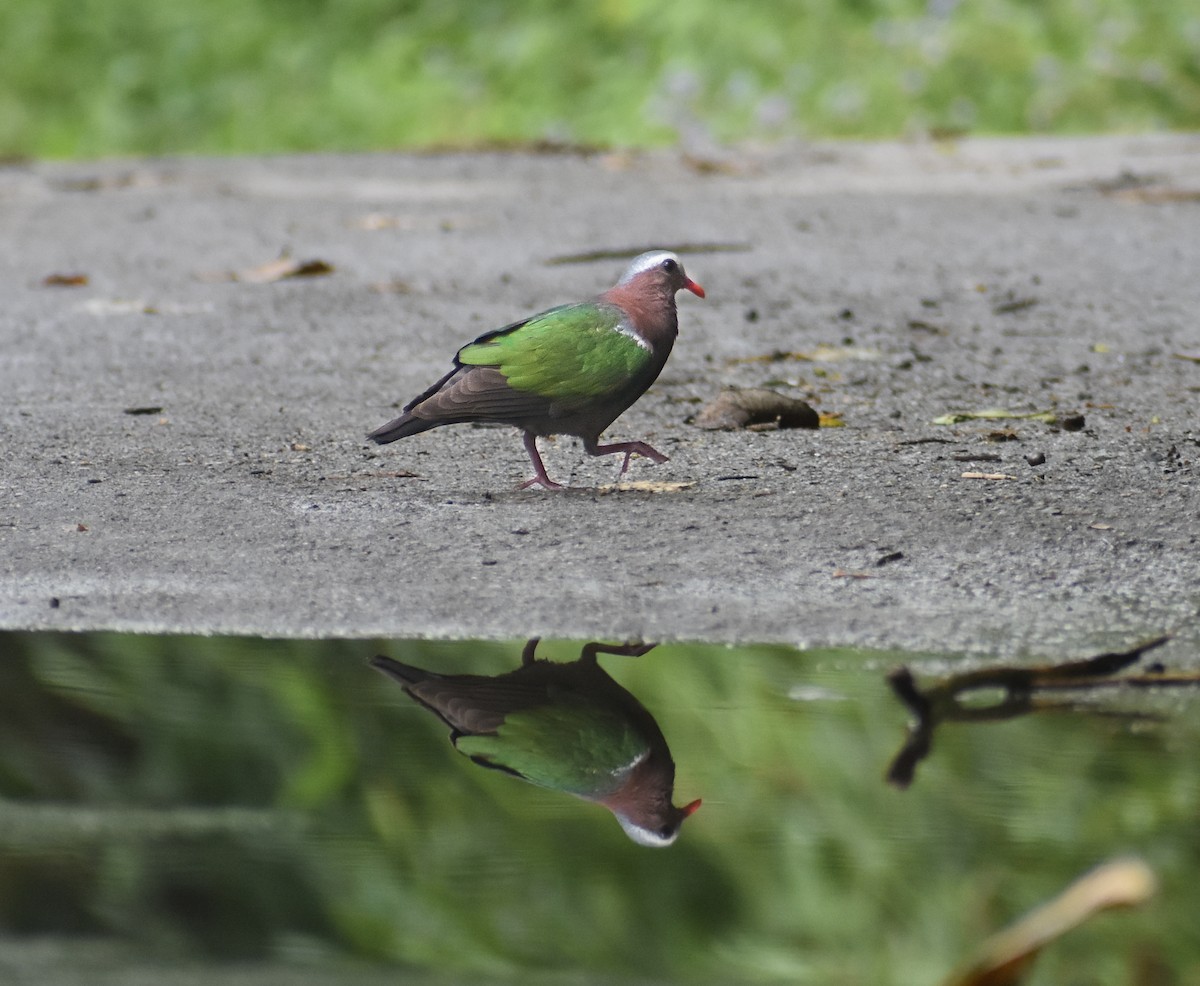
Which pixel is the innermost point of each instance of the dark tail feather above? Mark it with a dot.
(403, 426)
(407, 424)
(406, 674)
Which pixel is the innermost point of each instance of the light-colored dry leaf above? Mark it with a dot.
(995, 414)
(1004, 958)
(646, 486)
(117, 306)
(986, 475)
(282, 268)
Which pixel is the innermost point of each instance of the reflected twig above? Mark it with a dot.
(946, 700)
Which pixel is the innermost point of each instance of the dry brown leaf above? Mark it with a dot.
(282, 268)
(986, 475)
(279, 269)
(64, 280)
(734, 409)
(841, 573)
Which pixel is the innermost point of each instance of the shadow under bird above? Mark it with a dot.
(567, 727)
(571, 370)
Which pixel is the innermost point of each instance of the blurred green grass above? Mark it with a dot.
(238, 799)
(86, 78)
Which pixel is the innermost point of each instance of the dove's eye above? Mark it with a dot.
(669, 265)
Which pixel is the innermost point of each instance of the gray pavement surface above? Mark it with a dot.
(1031, 275)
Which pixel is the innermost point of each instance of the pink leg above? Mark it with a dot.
(539, 470)
(629, 448)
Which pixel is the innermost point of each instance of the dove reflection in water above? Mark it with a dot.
(568, 727)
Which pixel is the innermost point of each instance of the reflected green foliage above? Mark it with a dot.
(96, 77)
(230, 798)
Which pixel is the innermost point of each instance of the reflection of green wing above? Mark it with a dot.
(569, 354)
(573, 746)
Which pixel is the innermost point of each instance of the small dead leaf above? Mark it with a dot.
(712, 165)
(300, 447)
(1194, 357)
(1101, 527)
(64, 280)
(1004, 958)
(148, 409)
(279, 269)
(283, 268)
(841, 573)
(831, 419)
(734, 409)
(986, 475)
(81, 528)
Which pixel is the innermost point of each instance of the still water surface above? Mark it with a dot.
(217, 810)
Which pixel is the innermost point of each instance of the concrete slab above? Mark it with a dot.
(1031, 275)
